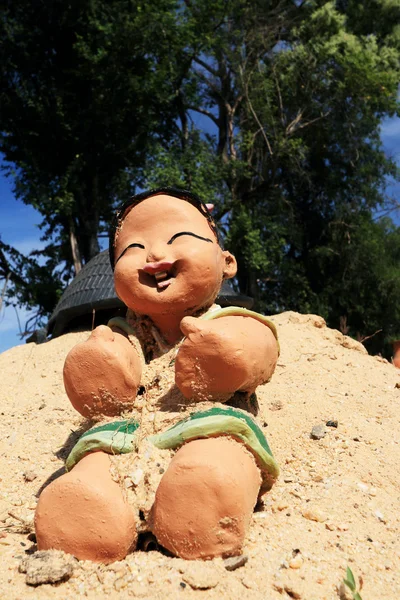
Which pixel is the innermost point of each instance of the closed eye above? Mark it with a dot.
(127, 248)
(199, 237)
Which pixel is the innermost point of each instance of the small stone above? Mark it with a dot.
(234, 562)
(296, 562)
(47, 566)
(330, 526)
(121, 583)
(380, 516)
(249, 583)
(331, 424)
(137, 476)
(362, 486)
(201, 576)
(318, 321)
(318, 432)
(30, 475)
(314, 514)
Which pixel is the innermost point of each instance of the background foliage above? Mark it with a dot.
(271, 109)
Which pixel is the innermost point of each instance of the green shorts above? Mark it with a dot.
(119, 437)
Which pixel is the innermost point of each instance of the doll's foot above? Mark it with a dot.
(84, 513)
(205, 499)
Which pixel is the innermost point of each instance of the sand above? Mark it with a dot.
(336, 503)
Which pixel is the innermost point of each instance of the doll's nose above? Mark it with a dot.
(156, 253)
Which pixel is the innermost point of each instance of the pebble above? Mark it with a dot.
(234, 562)
(332, 423)
(314, 514)
(201, 576)
(30, 475)
(47, 566)
(362, 486)
(296, 562)
(380, 516)
(137, 476)
(318, 432)
(249, 583)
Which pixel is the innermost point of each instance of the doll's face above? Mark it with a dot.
(168, 259)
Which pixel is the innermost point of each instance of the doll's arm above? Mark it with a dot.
(221, 356)
(102, 374)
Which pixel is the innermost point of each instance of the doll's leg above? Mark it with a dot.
(84, 513)
(205, 499)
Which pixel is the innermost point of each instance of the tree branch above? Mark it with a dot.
(206, 66)
(293, 127)
(253, 112)
(206, 112)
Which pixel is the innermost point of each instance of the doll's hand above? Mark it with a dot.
(102, 374)
(221, 356)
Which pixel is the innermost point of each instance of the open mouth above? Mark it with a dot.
(163, 279)
(159, 275)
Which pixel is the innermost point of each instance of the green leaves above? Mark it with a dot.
(349, 581)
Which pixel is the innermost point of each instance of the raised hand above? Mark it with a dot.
(221, 356)
(102, 374)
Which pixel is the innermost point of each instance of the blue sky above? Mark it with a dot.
(19, 228)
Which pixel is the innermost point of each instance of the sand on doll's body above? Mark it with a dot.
(350, 477)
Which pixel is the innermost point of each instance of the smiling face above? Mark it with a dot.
(167, 259)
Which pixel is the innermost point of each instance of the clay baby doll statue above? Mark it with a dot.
(185, 461)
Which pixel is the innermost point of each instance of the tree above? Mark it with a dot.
(84, 92)
(270, 108)
(294, 93)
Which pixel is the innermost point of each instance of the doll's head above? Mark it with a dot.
(166, 254)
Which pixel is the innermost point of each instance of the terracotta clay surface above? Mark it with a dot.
(205, 499)
(219, 357)
(102, 374)
(195, 265)
(168, 270)
(396, 354)
(84, 513)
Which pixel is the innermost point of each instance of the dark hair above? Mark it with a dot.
(170, 191)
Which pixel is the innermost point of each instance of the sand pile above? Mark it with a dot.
(335, 505)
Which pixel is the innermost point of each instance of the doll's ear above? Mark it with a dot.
(230, 265)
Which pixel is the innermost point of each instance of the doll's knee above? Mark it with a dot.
(204, 502)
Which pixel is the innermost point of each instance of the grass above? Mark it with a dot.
(350, 582)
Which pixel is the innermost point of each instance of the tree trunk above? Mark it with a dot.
(76, 255)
